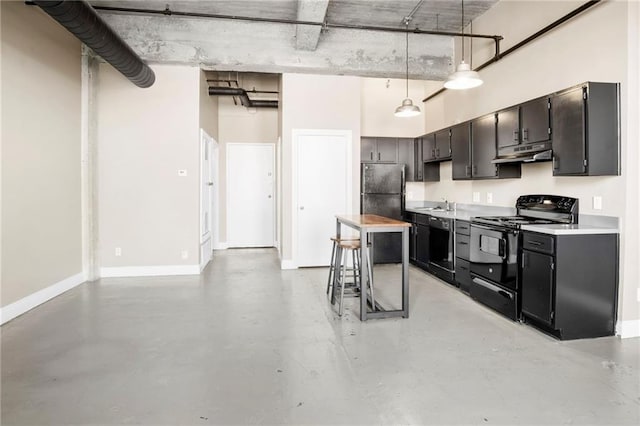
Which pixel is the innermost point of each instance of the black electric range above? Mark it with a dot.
(495, 249)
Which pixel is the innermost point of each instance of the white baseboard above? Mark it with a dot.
(626, 329)
(287, 264)
(25, 304)
(220, 246)
(149, 271)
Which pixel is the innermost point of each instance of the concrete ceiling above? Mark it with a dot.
(248, 46)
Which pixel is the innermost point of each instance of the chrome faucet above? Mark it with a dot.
(446, 204)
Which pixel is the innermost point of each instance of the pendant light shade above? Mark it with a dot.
(464, 77)
(407, 109)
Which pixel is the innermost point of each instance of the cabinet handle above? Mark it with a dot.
(515, 135)
(438, 152)
(535, 243)
(378, 156)
(555, 163)
(372, 155)
(463, 243)
(525, 134)
(433, 153)
(524, 260)
(474, 170)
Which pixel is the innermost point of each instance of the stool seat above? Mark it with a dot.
(349, 244)
(337, 240)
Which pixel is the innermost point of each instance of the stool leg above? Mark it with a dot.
(344, 279)
(336, 273)
(356, 271)
(370, 275)
(331, 266)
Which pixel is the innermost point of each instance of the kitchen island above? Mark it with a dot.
(368, 224)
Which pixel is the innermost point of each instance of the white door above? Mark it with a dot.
(250, 195)
(208, 161)
(324, 181)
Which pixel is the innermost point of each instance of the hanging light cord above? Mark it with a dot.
(407, 44)
(462, 29)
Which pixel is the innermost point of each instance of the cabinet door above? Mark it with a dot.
(387, 150)
(406, 154)
(367, 150)
(461, 151)
(568, 136)
(537, 285)
(483, 147)
(535, 121)
(508, 127)
(419, 162)
(443, 144)
(429, 147)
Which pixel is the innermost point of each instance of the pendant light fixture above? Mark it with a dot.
(464, 77)
(407, 109)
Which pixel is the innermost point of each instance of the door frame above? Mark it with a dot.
(213, 194)
(295, 135)
(273, 167)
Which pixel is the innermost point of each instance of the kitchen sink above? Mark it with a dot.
(430, 209)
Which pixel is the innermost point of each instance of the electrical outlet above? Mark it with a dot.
(476, 197)
(489, 197)
(597, 202)
(118, 251)
(184, 254)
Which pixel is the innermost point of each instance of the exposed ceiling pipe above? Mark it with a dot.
(527, 40)
(244, 97)
(80, 19)
(325, 25)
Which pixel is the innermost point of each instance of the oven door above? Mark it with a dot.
(494, 254)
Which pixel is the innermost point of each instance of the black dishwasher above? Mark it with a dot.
(441, 248)
(422, 241)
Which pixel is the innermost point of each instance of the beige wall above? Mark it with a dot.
(144, 137)
(239, 124)
(379, 99)
(208, 108)
(41, 206)
(316, 102)
(592, 47)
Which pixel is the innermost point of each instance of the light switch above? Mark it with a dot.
(182, 172)
(476, 197)
(597, 202)
(118, 251)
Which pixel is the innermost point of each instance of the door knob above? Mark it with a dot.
(301, 207)
(210, 183)
(269, 196)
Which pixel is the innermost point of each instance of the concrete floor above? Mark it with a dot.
(247, 343)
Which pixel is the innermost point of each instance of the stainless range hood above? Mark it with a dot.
(529, 157)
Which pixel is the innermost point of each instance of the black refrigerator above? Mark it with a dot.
(382, 193)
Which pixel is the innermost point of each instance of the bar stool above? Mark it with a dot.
(334, 258)
(344, 247)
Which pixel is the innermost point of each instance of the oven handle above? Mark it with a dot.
(488, 228)
(493, 288)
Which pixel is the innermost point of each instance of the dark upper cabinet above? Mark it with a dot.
(429, 147)
(443, 144)
(378, 150)
(527, 123)
(483, 147)
(535, 123)
(508, 127)
(461, 151)
(585, 125)
(437, 146)
(409, 154)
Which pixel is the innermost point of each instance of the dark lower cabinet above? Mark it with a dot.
(570, 283)
(463, 273)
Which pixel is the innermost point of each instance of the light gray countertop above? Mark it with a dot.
(588, 224)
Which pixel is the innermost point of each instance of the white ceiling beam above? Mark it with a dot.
(307, 36)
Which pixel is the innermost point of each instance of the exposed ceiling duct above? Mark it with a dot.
(79, 18)
(244, 97)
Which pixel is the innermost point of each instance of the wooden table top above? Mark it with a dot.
(371, 221)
